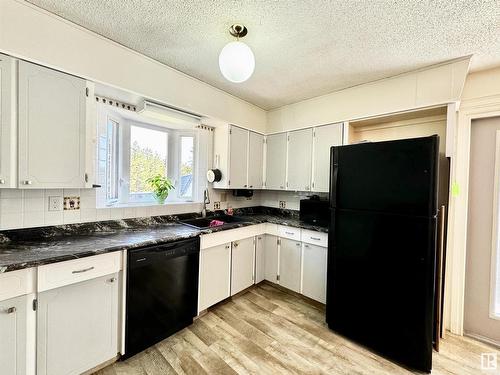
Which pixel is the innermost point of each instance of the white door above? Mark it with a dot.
(314, 261)
(324, 137)
(215, 275)
(255, 160)
(299, 160)
(52, 112)
(14, 336)
(271, 258)
(276, 161)
(242, 264)
(8, 124)
(290, 254)
(238, 157)
(260, 260)
(77, 326)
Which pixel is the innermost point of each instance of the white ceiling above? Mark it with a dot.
(303, 48)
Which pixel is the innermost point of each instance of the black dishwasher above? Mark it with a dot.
(162, 292)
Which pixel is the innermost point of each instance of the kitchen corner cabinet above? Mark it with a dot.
(299, 156)
(255, 160)
(276, 152)
(77, 326)
(52, 128)
(242, 264)
(314, 267)
(324, 137)
(8, 122)
(15, 332)
(290, 264)
(271, 258)
(215, 275)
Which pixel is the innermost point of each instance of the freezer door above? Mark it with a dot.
(381, 283)
(395, 176)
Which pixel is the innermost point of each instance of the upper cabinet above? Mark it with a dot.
(299, 158)
(8, 125)
(52, 128)
(276, 161)
(239, 154)
(324, 137)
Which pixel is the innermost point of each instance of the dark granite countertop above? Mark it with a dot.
(33, 247)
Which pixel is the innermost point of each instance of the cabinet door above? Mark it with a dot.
(242, 265)
(324, 137)
(215, 275)
(51, 128)
(314, 263)
(276, 161)
(260, 260)
(14, 336)
(255, 160)
(8, 125)
(290, 253)
(271, 258)
(77, 326)
(238, 157)
(299, 160)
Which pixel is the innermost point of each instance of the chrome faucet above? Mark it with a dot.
(206, 200)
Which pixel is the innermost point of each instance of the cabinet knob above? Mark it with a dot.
(227, 246)
(11, 310)
(2, 181)
(27, 182)
(245, 185)
(307, 188)
(281, 187)
(235, 244)
(297, 244)
(112, 280)
(251, 186)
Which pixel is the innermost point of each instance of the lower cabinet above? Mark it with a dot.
(242, 265)
(271, 258)
(16, 338)
(289, 264)
(260, 261)
(215, 275)
(77, 326)
(314, 266)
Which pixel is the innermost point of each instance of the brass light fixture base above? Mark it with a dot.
(238, 31)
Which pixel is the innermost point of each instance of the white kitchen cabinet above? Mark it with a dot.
(238, 157)
(290, 252)
(52, 128)
(77, 326)
(242, 264)
(255, 160)
(17, 336)
(314, 265)
(260, 260)
(8, 122)
(299, 160)
(276, 146)
(215, 275)
(324, 137)
(271, 258)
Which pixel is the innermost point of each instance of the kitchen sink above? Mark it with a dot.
(204, 222)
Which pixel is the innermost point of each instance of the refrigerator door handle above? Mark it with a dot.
(333, 182)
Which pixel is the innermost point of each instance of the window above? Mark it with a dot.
(186, 167)
(112, 161)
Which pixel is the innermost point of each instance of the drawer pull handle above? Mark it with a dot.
(315, 238)
(27, 182)
(11, 310)
(84, 270)
(2, 181)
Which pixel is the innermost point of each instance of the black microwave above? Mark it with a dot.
(315, 211)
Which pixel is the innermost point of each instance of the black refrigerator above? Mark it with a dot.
(382, 247)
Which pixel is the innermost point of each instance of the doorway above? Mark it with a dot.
(482, 277)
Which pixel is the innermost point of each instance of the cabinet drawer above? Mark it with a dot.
(17, 283)
(315, 238)
(74, 271)
(289, 232)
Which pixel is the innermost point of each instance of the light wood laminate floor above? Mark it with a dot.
(267, 330)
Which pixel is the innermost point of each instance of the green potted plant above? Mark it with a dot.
(161, 186)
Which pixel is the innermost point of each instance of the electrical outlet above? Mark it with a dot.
(282, 204)
(216, 205)
(55, 203)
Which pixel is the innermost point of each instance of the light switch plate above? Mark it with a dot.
(282, 204)
(55, 203)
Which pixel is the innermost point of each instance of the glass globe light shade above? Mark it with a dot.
(236, 62)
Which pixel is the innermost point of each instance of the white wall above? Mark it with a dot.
(33, 34)
(437, 85)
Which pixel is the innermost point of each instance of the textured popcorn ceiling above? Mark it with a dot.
(303, 48)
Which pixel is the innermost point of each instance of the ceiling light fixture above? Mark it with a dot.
(236, 60)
